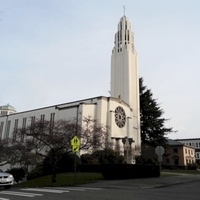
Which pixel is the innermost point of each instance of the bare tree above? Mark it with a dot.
(48, 139)
(6, 153)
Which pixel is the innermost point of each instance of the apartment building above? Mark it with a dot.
(178, 154)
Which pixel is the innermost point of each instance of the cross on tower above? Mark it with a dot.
(124, 9)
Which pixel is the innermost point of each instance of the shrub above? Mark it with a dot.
(18, 173)
(36, 173)
(66, 163)
(193, 166)
(106, 156)
(129, 171)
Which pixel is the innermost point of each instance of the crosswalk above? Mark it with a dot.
(36, 192)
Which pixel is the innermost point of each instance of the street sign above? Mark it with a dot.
(75, 148)
(159, 150)
(75, 141)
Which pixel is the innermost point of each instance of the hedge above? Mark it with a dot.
(122, 171)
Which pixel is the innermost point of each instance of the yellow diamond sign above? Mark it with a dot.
(75, 141)
(75, 148)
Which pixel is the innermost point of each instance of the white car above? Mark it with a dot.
(6, 180)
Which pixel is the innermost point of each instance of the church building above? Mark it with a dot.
(120, 112)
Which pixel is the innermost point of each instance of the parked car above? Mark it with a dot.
(6, 180)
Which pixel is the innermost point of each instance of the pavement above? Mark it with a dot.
(139, 183)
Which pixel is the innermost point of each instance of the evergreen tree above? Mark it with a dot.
(153, 130)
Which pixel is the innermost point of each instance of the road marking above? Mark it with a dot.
(3, 199)
(20, 193)
(75, 188)
(44, 190)
(87, 188)
(67, 188)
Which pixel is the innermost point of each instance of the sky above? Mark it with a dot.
(58, 51)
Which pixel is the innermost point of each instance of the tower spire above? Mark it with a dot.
(124, 8)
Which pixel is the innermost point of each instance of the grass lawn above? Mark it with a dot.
(65, 179)
(69, 179)
(179, 171)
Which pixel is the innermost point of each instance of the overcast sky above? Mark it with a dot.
(58, 51)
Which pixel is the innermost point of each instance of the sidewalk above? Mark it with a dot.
(162, 181)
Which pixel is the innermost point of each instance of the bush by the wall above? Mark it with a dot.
(122, 171)
(18, 173)
(97, 168)
(36, 173)
(193, 166)
(129, 171)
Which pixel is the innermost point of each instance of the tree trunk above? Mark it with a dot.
(53, 177)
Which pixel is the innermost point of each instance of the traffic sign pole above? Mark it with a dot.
(75, 143)
(74, 168)
(159, 151)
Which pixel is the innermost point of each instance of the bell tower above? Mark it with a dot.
(124, 74)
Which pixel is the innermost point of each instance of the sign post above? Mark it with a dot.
(75, 143)
(160, 151)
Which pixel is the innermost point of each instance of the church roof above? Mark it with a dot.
(7, 107)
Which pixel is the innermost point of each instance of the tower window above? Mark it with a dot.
(128, 35)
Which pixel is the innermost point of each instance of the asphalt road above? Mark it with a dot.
(185, 187)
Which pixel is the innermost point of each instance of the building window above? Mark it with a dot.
(120, 117)
(52, 117)
(32, 120)
(197, 155)
(24, 123)
(193, 144)
(176, 160)
(7, 129)
(15, 129)
(16, 125)
(175, 150)
(1, 129)
(42, 117)
(23, 127)
(52, 121)
(186, 151)
(3, 113)
(167, 161)
(128, 35)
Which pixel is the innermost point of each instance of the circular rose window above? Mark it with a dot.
(120, 117)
